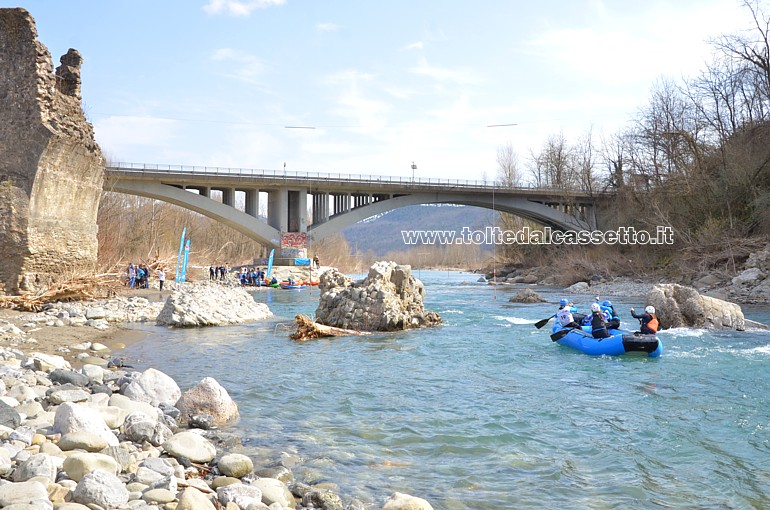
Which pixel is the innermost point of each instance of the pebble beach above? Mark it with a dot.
(79, 429)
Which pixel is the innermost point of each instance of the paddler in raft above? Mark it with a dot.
(648, 321)
(598, 324)
(564, 314)
(612, 318)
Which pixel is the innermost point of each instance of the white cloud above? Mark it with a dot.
(249, 66)
(637, 46)
(414, 46)
(353, 102)
(443, 74)
(327, 27)
(239, 7)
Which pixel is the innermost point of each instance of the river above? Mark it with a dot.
(485, 412)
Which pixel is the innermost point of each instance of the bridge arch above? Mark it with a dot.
(531, 208)
(247, 225)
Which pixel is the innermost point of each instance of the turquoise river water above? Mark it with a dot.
(485, 412)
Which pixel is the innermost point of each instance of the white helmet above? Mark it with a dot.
(595, 307)
(650, 309)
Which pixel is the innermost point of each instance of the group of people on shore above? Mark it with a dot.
(139, 276)
(255, 277)
(218, 271)
(603, 318)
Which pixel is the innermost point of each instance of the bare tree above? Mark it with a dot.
(553, 164)
(508, 173)
(614, 155)
(584, 163)
(751, 47)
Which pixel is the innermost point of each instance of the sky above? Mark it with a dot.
(375, 86)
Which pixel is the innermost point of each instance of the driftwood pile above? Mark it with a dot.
(77, 289)
(308, 330)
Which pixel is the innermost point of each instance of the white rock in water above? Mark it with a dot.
(208, 397)
(390, 298)
(680, 306)
(399, 501)
(205, 304)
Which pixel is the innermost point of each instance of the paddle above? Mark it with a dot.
(559, 335)
(539, 324)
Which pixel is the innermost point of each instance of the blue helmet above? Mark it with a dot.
(606, 303)
(563, 302)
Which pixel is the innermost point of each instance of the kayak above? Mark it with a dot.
(618, 343)
(291, 287)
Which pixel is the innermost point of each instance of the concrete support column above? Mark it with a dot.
(278, 209)
(302, 210)
(252, 202)
(341, 203)
(320, 208)
(228, 196)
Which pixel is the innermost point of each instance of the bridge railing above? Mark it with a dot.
(296, 176)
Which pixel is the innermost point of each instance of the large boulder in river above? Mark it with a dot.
(207, 398)
(679, 306)
(526, 296)
(207, 304)
(390, 298)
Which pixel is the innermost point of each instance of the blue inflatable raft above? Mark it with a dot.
(619, 342)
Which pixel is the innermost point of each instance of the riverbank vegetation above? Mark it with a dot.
(694, 158)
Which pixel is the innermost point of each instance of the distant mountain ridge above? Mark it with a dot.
(382, 233)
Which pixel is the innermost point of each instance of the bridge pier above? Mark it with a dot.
(287, 210)
(228, 196)
(277, 213)
(341, 203)
(252, 202)
(320, 208)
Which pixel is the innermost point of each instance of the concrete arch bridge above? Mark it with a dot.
(336, 200)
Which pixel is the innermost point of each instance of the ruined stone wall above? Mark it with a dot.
(51, 169)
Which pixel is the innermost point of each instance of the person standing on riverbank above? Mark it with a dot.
(161, 277)
(131, 276)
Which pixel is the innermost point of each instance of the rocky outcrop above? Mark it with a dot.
(526, 296)
(390, 298)
(679, 306)
(750, 284)
(207, 304)
(51, 169)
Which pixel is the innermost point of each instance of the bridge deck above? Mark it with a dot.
(324, 182)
